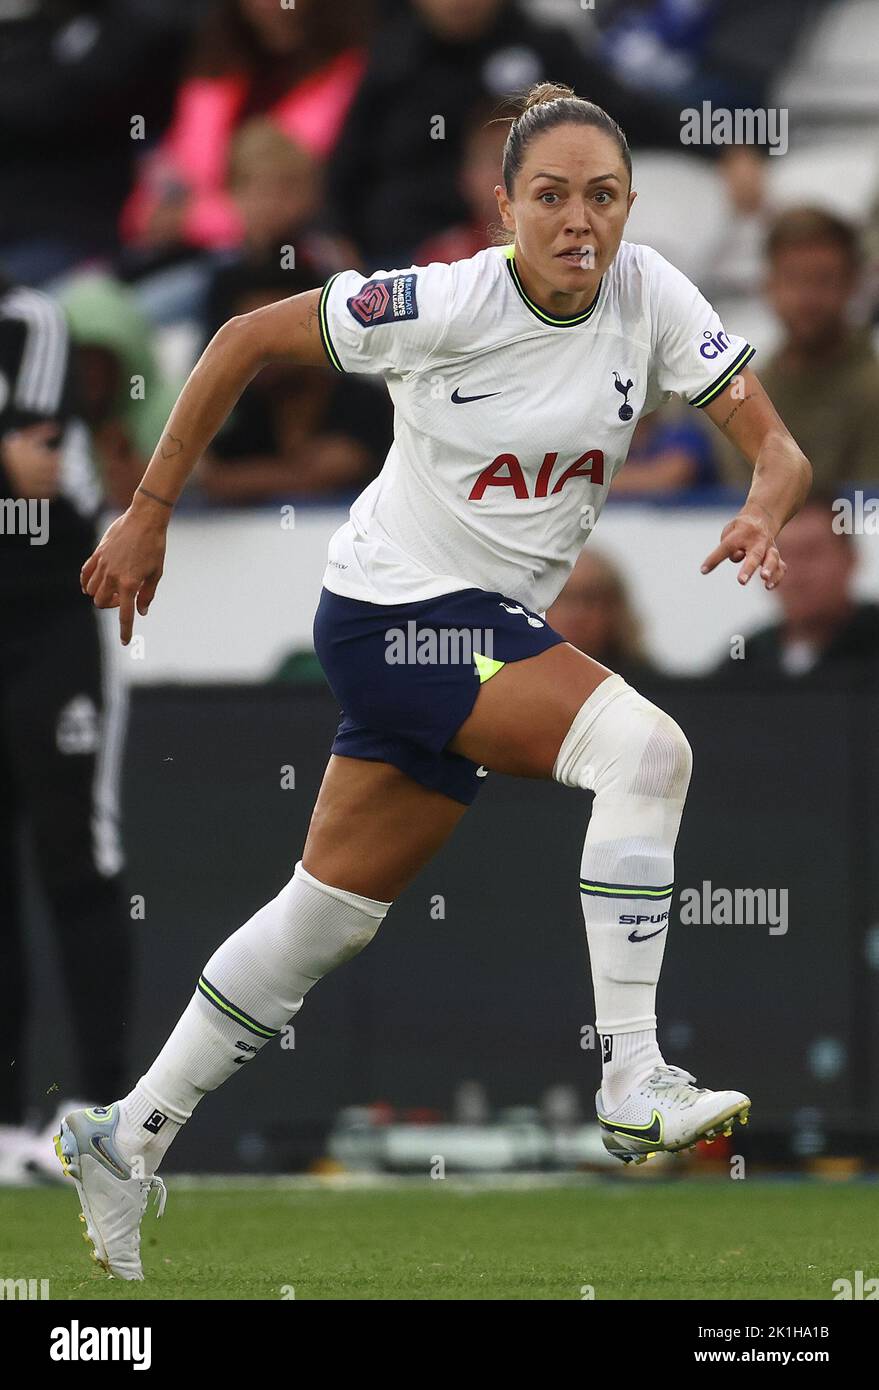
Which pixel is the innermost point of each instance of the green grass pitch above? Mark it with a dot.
(690, 1239)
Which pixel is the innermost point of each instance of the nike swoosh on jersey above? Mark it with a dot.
(458, 399)
(633, 935)
(652, 1133)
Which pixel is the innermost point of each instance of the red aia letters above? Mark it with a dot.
(506, 471)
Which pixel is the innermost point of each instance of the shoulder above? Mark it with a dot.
(399, 320)
(647, 297)
(474, 275)
(636, 262)
(641, 270)
(474, 280)
(479, 291)
(450, 293)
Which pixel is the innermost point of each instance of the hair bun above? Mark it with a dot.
(543, 92)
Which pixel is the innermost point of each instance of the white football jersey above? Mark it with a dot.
(509, 423)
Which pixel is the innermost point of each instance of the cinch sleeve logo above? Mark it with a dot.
(714, 345)
(385, 301)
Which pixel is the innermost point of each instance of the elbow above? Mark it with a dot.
(801, 471)
(238, 340)
(804, 471)
(782, 446)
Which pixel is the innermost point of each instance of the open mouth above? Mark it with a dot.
(583, 257)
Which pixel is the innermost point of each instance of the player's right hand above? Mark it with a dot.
(125, 568)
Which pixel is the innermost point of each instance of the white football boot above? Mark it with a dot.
(668, 1112)
(41, 1160)
(112, 1198)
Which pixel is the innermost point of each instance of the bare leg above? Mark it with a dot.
(373, 829)
(523, 713)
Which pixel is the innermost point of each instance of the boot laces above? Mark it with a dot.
(149, 1185)
(677, 1084)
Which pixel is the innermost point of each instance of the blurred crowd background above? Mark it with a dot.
(166, 166)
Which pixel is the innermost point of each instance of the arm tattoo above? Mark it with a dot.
(310, 320)
(171, 446)
(155, 497)
(749, 397)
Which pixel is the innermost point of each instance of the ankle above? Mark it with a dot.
(145, 1131)
(627, 1060)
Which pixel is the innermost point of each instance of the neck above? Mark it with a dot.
(559, 303)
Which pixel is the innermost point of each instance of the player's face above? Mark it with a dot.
(569, 207)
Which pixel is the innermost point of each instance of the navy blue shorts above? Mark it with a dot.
(407, 675)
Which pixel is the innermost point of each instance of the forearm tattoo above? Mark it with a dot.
(155, 496)
(171, 446)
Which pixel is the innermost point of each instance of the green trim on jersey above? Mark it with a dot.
(708, 395)
(553, 320)
(225, 1006)
(323, 324)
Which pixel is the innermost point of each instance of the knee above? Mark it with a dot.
(666, 761)
(622, 744)
(337, 923)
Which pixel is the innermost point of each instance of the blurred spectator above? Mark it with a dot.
(394, 176)
(824, 378)
(299, 67)
(690, 51)
(296, 430)
(697, 50)
(481, 171)
(73, 75)
(670, 453)
(122, 396)
(823, 626)
(594, 612)
(62, 730)
(276, 188)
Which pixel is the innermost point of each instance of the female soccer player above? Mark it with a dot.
(517, 377)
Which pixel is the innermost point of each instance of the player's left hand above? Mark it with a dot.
(748, 540)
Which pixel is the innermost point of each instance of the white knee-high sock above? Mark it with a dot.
(253, 984)
(638, 762)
